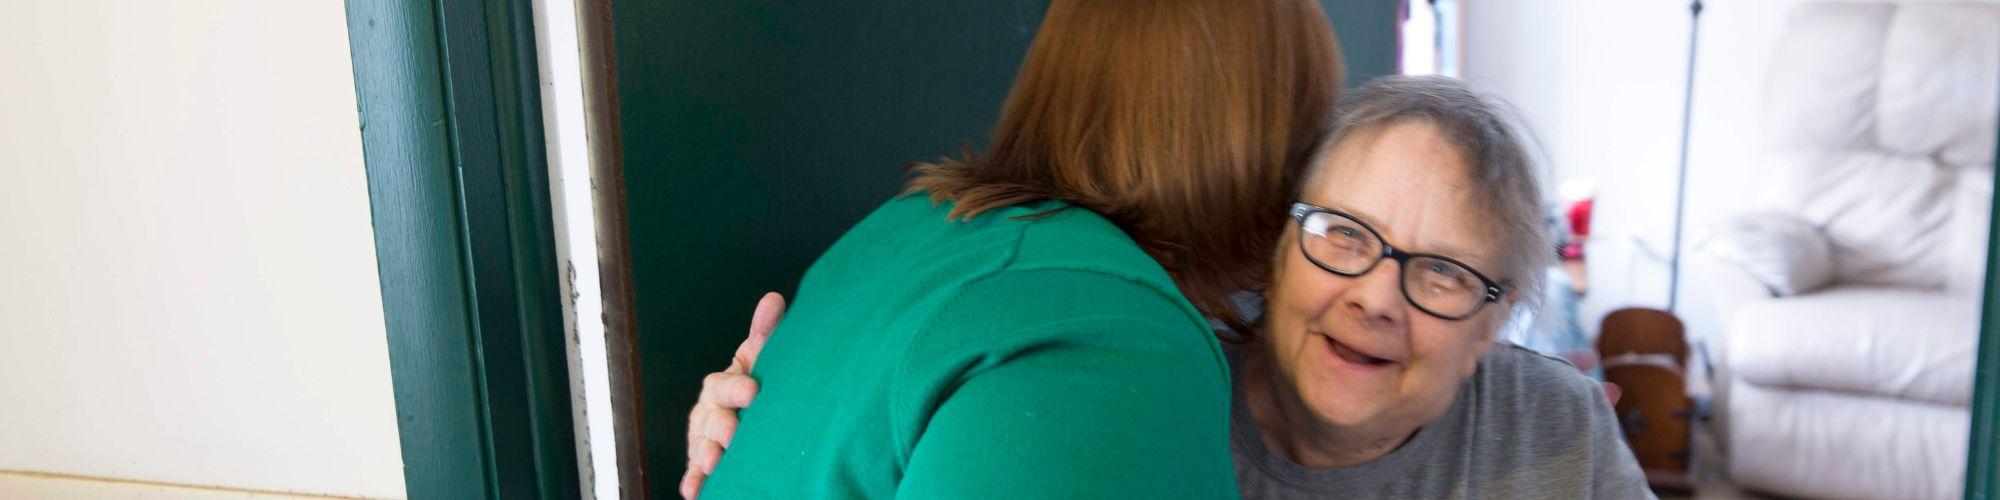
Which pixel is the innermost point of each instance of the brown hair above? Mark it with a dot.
(1184, 122)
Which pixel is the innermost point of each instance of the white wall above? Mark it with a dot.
(188, 289)
(1602, 85)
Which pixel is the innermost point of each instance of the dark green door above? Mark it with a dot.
(757, 131)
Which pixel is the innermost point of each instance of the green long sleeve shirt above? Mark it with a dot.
(992, 358)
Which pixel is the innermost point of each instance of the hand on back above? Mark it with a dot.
(712, 422)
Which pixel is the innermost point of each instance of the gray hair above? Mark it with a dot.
(1504, 182)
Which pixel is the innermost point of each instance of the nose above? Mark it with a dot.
(1377, 296)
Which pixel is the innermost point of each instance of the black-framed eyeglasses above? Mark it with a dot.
(1438, 285)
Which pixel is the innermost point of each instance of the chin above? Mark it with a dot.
(1334, 404)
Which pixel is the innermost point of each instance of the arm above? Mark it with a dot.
(712, 422)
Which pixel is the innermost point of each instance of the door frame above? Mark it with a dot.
(1982, 465)
(458, 186)
(597, 56)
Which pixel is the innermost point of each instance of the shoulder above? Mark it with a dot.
(1073, 254)
(1063, 271)
(1012, 271)
(1041, 235)
(1551, 419)
(1514, 364)
(1019, 301)
(1068, 237)
(1537, 386)
(1069, 247)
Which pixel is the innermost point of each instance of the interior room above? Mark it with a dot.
(537, 249)
(1804, 186)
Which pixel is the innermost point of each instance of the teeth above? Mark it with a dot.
(1352, 355)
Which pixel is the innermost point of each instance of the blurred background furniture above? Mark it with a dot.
(1851, 308)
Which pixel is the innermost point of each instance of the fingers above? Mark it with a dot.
(714, 415)
(770, 309)
(697, 427)
(712, 421)
(691, 483)
(1612, 392)
(720, 428)
(706, 454)
(730, 391)
(727, 391)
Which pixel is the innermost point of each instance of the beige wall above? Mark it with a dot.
(1600, 84)
(1604, 83)
(188, 289)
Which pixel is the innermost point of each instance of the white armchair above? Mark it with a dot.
(1852, 313)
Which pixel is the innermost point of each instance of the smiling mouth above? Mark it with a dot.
(1356, 357)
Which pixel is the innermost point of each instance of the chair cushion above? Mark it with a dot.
(1877, 114)
(1894, 343)
(1819, 444)
(1914, 79)
(1887, 216)
(1820, 92)
(1940, 66)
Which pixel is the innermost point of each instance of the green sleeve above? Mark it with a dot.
(1067, 384)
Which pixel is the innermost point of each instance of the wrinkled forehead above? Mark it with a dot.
(1412, 185)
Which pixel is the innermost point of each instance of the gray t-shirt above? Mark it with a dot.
(1523, 426)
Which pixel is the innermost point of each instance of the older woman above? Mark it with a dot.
(1376, 370)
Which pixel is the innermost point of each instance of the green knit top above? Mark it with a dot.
(1000, 357)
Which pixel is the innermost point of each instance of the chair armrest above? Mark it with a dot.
(1764, 255)
(1728, 286)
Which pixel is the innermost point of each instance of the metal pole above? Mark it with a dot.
(1680, 190)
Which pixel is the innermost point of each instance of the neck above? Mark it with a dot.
(1289, 427)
